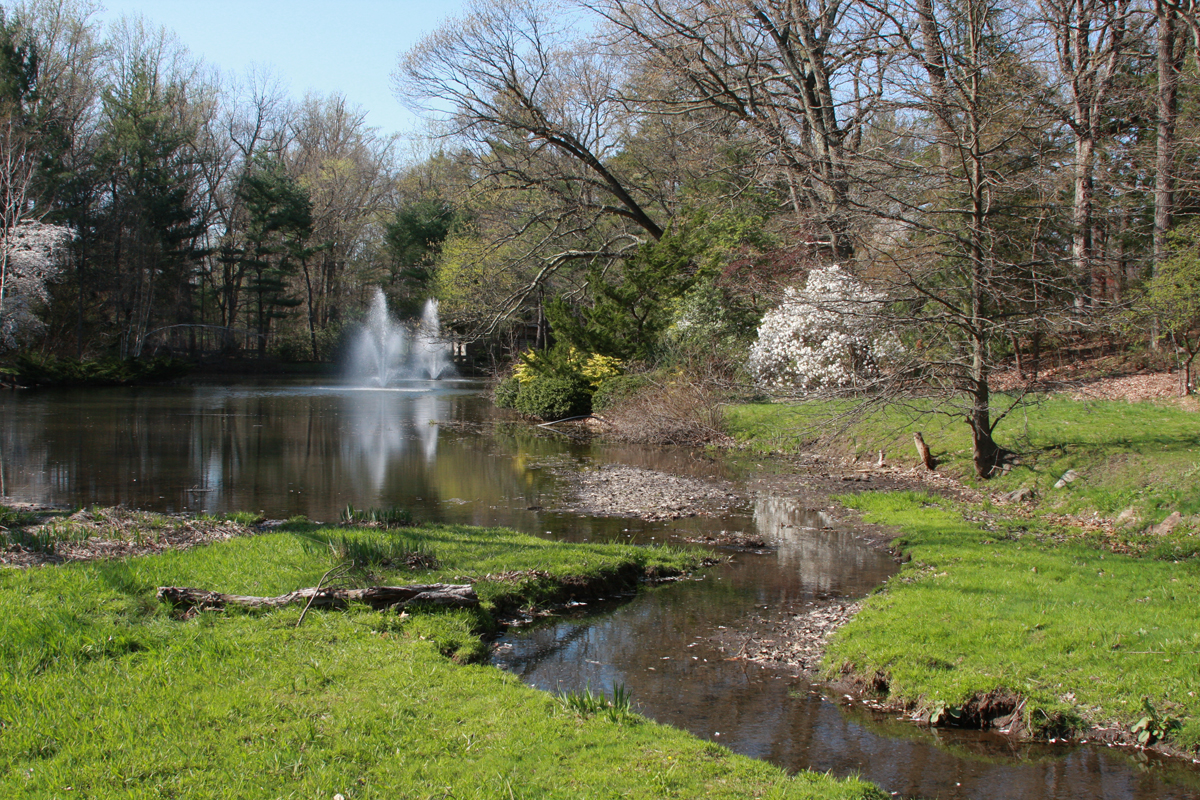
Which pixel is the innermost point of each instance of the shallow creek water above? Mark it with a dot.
(295, 448)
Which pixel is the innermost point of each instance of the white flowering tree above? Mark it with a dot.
(826, 335)
(29, 258)
(29, 249)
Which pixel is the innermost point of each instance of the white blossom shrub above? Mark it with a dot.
(828, 334)
(29, 258)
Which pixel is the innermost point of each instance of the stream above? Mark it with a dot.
(439, 449)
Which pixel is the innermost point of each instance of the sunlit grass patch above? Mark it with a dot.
(104, 692)
(370, 551)
(1080, 633)
(1143, 456)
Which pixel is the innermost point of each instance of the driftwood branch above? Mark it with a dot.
(339, 569)
(439, 594)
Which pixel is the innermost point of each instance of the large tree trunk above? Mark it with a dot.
(1169, 60)
(987, 454)
(1081, 218)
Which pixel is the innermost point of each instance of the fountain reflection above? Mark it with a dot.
(383, 426)
(283, 450)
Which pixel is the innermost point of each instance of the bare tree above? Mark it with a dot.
(972, 263)
(17, 166)
(62, 124)
(251, 120)
(30, 250)
(1090, 43)
(514, 69)
(1169, 52)
(537, 107)
(1187, 13)
(346, 168)
(803, 76)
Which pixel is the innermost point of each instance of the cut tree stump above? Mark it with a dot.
(438, 594)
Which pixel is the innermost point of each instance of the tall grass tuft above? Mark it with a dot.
(19, 529)
(368, 552)
(390, 517)
(587, 703)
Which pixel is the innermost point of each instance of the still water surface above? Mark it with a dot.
(294, 448)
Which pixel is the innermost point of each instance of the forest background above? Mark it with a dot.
(891, 199)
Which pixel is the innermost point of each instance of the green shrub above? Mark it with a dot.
(552, 397)
(37, 370)
(617, 389)
(505, 393)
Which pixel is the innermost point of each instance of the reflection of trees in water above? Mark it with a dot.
(284, 451)
(827, 561)
(772, 715)
(24, 467)
(659, 647)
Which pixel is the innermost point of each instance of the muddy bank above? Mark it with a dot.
(105, 533)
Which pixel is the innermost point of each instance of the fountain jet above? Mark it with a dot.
(385, 350)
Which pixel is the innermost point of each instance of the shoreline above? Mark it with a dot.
(361, 701)
(796, 639)
(790, 639)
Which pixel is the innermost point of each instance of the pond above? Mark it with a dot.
(439, 448)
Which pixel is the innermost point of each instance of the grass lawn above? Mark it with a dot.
(1080, 633)
(1143, 456)
(1088, 626)
(104, 692)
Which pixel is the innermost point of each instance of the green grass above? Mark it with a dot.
(1143, 456)
(1081, 633)
(16, 530)
(386, 517)
(587, 703)
(104, 692)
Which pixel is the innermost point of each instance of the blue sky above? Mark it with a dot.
(350, 46)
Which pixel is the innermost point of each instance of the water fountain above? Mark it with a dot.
(385, 350)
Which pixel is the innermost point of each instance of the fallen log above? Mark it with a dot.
(438, 594)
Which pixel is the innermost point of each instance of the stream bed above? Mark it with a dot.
(439, 449)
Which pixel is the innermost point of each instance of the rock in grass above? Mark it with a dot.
(1022, 495)
(1127, 519)
(1070, 476)
(1167, 525)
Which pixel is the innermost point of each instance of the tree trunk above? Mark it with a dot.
(1168, 65)
(312, 325)
(1081, 218)
(987, 454)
